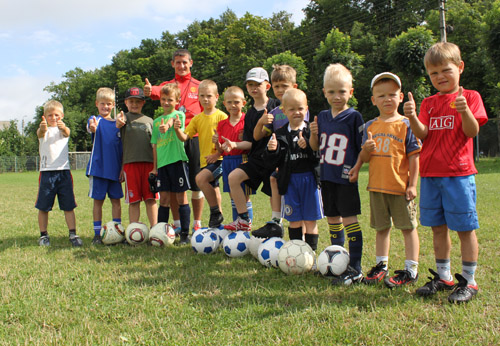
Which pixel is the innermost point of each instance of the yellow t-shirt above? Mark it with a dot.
(205, 125)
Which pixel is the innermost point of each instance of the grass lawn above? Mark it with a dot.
(122, 295)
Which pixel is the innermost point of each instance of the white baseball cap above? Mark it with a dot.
(257, 74)
(386, 75)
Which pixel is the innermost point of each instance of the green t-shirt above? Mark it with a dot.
(169, 148)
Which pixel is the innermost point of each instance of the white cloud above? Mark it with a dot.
(43, 37)
(128, 35)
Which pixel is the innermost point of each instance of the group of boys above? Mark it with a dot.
(276, 145)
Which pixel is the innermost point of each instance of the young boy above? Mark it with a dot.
(205, 124)
(337, 134)
(447, 122)
(254, 171)
(283, 78)
(170, 162)
(228, 140)
(135, 130)
(392, 151)
(105, 164)
(55, 175)
(297, 181)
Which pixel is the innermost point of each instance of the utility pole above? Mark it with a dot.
(442, 20)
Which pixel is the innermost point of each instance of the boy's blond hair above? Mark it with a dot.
(283, 73)
(234, 91)
(442, 52)
(293, 94)
(105, 94)
(171, 89)
(208, 84)
(52, 105)
(337, 72)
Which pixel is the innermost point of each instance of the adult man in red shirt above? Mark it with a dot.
(189, 104)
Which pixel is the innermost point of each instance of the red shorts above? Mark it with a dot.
(136, 181)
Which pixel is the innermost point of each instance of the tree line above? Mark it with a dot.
(367, 36)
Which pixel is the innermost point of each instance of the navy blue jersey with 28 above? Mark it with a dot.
(339, 144)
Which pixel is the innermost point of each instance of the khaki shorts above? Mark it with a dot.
(386, 209)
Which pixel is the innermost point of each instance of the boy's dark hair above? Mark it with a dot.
(181, 52)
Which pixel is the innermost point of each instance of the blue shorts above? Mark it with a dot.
(302, 200)
(100, 186)
(449, 201)
(216, 169)
(174, 177)
(229, 163)
(52, 183)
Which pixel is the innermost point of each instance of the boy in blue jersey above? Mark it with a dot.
(105, 164)
(337, 134)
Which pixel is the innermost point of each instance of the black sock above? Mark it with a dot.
(72, 232)
(244, 216)
(355, 240)
(185, 216)
(295, 233)
(215, 210)
(163, 214)
(312, 240)
(43, 234)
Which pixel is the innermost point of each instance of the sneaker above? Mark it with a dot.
(349, 277)
(76, 241)
(184, 239)
(215, 220)
(270, 229)
(402, 277)
(97, 240)
(195, 228)
(376, 274)
(434, 285)
(177, 230)
(44, 240)
(462, 292)
(239, 225)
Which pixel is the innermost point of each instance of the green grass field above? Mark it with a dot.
(122, 295)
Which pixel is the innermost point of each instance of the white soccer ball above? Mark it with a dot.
(204, 241)
(221, 233)
(236, 244)
(333, 260)
(137, 233)
(161, 234)
(296, 257)
(253, 246)
(268, 251)
(112, 233)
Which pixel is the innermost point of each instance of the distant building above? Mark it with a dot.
(4, 125)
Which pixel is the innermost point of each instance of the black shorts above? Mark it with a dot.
(257, 174)
(192, 148)
(52, 184)
(340, 199)
(173, 177)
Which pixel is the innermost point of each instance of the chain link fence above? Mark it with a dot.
(77, 160)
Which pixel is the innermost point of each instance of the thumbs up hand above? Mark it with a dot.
(302, 142)
(177, 122)
(314, 126)
(461, 101)
(215, 137)
(163, 127)
(369, 145)
(409, 107)
(272, 145)
(120, 120)
(147, 88)
(228, 145)
(92, 124)
(60, 125)
(43, 124)
(266, 118)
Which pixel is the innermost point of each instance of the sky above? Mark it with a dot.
(42, 40)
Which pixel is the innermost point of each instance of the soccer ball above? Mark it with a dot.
(235, 244)
(254, 244)
(137, 233)
(204, 241)
(112, 233)
(161, 234)
(296, 257)
(221, 234)
(268, 251)
(333, 260)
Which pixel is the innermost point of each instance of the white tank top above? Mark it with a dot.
(53, 151)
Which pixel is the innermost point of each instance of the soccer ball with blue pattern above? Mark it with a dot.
(204, 241)
(221, 233)
(333, 260)
(268, 251)
(236, 244)
(254, 246)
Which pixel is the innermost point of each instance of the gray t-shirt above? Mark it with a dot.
(136, 138)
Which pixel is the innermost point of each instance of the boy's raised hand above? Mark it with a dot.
(302, 142)
(177, 122)
(369, 145)
(92, 124)
(227, 145)
(410, 108)
(215, 137)
(163, 127)
(147, 88)
(120, 120)
(314, 126)
(272, 145)
(60, 125)
(43, 124)
(266, 118)
(461, 101)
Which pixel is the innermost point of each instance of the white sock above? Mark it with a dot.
(468, 270)
(443, 269)
(412, 267)
(384, 259)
